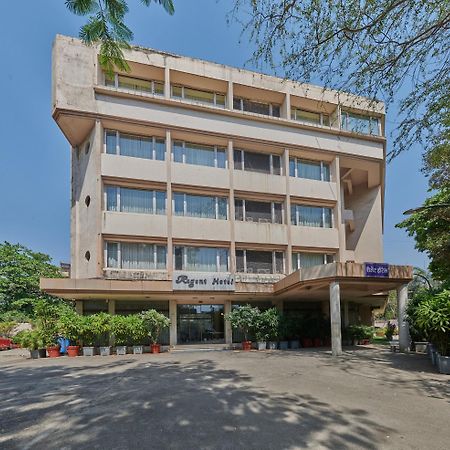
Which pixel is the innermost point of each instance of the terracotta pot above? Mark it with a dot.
(155, 348)
(72, 350)
(246, 345)
(53, 352)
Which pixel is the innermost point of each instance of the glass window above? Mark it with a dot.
(307, 259)
(177, 91)
(110, 80)
(291, 167)
(160, 149)
(326, 120)
(308, 169)
(237, 103)
(200, 96)
(239, 209)
(259, 262)
(238, 159)
(111, 198)
(134, 84)
(311, 216)
(278, 213)
(276, 164)
(111, 142)
(135, 146)
(325, 172)
(359, 123)
(305, 116)
(160, 202)
(279, 262)
(200, 206)
(201, 259)
(178, 200)
(200, 155)
(276, 110)
(257, 162)
(135, 256)
(220, 99)
(112, 253)
(240, 267)
(158, 87)
(222, 206)
(258, 211)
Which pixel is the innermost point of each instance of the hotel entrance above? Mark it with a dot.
(198, 324)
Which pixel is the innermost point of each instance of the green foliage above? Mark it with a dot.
(367, 47)
(70, 325)
(429, 315)
(138, 332)
(106, 27)
(389, 331)
(30, 339)
(6, 328)
(267, 325)
(20, 271)
(359, 332)
(47, 316)
(154, 322)
(244, 319)
(430, 229)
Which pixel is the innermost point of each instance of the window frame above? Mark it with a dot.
(270, 104)
(119, 256)
(271, 157)
(117, 152)
(323, 164)
(119, 201)
(151, 81)
(183, 96)
(297, 256)
(321, 115)
(216, 206)
(184, 258)
(274, 261)
(344, 123)
(272, 211)
(296, 216)
(217, 148)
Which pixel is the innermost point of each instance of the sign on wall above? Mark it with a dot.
(379, 270)
(194, 281)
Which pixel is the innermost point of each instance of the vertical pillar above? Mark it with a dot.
(79, 307)
(346, 318)
(173, 322)
(169, 202)
(230, 95)
(287, 215)
(286, 107)
(228, 330)
(166, 82)
(335, 317)
(112, 311)
(403, 327)
(231, 211)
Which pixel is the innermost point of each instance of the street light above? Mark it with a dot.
(422, 208)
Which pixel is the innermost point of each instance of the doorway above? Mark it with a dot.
(198, 324)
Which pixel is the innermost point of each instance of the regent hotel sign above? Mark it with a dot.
(194, 281)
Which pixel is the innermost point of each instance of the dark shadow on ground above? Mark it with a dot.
(135, 404)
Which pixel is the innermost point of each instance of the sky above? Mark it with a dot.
(35, 157)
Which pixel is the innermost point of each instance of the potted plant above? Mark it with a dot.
(293, 331)
(88, 335)
(261, 330)
(283, 330)
(70, 326)
(154, 322)
(138, 333)
(47, 315)
(120, 328)
(101, 323)
(29, 339)
(244, 318)
(273, 327)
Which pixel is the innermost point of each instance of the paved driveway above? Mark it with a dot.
(369, 399)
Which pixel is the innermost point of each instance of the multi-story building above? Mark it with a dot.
(197, 186)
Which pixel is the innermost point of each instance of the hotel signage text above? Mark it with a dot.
(379, 270)
(194, 281)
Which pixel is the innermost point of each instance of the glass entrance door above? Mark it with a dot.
(200, 323)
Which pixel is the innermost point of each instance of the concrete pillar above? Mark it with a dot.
(173, 322)
(231, 211)
(335, 317)
(79, 307)
(166, 82)
(112, 311)
(230, 95)
(286, 107)
(287, 215)
(346, 318)
(228, 330)
(169, 202)
(403, 327)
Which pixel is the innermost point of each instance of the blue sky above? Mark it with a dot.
(34, 156)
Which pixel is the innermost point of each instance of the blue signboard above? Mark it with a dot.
(379, 270)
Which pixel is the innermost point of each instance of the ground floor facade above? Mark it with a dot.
(340, 293)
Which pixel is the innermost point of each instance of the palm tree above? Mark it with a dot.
(106, 27)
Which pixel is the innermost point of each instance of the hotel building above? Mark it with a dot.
(197, 187)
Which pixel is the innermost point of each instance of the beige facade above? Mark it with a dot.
(289, 168)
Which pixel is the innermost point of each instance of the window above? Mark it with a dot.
(311, 216)
(200, 206)
(310, 117)
(304, 260)
(117, 143)
(360, 124)
(260, 262)
(197, 95)
(135, 84)
(201, 259)
(312, 170)
(200, 155)
(135, 200)
(262, 212)
(266, 109)
(135, 256)
(257, 162)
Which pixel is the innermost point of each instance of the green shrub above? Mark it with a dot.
(154, 322)
(244, 318)
(95, 329)
(30, 339)
(6, 328)
(70, 325)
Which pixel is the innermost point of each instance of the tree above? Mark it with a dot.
(373, 48)
(106, 27)
(430, 229)
(20, 271)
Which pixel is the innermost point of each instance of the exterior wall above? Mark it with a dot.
(83, 107)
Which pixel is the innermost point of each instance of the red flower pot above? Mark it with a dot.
(306, 343)
(53, 352)
(155, 348)
(246, 345)
(317, 342)
(72, 350)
